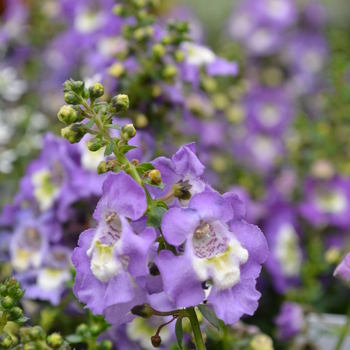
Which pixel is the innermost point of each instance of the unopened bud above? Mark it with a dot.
(143, 33)
(119, 103)
(101, 108)
(118, 10)
(7, 302)
(156, 341)
(69, 115)
(158, 50)
(144, 310)
(169, 72)
(155, 177)
(24, 334)
(127, 132)
(261, 342)
(55, 340)
(37, 333)
(102, 167)
(116, 70)
(15, 313)
(77, 86)
(73, 133)
(96, 91)
(3, 290)
(182, 190)
(94, 144)
(5, 341)
(72, 98)
(105, 345)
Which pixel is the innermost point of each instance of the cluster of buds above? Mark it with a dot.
(36, 338)
(10, 293)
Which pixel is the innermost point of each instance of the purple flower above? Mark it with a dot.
(290, 320)
(327, 202)
(222, 252)
(108, 255)
(343, 269)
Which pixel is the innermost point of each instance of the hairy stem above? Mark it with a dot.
(3, 321)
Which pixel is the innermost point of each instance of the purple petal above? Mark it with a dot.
(237, 205)
(80, 260)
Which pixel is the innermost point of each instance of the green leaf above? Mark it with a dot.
(113, 126)
(209, 315)
(90, 123)
(75, 338)
(163, 205)
(179, 332)
(21, 319)
(161, 185)
(126, 148)
(155, 216)
(109, 148)
(142, 168)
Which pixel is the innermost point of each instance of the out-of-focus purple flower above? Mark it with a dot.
(343, 269)
(108, 255)
(219, 246)
(286, 256)
(290, 321)
(326, 202)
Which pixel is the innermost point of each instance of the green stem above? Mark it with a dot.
(91, 343)
(3, 321)
(197, 333)
(343, 333)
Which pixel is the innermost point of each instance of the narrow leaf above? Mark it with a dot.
(162, 204)
(90, 123)
(74, 338)
(161, 185)
(113, 126)
(21, 319)
(155, 216)
(142, 168)
(209, 315)
(179, 332)
(126, 148)
(109, 148)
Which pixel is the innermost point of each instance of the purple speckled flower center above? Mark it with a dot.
(207, 242)
(31, 239)
(113, 229)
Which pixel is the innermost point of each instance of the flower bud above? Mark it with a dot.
(179, 56)
(96, 91)
(101, 108)
(144, 310)
(102, 167)
(24, 334)
(155, 177)
(116, 70)
(105, 345)
(95, 330)
(261, 342)
(77, 86)
(15, 313)
(5, 341)
(73, 133)
(156, 340)
(127, 132)
(7, 302)
(169, 72)
(94, 144)
(72, 98)
(69, 115)
(37, 333)
(118, 10)
(182, 190)
(3, 290)
(82, 329)
(119, 103)
(55, 340)
(158, 50)
(67, 86)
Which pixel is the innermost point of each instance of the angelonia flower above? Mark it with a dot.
(343, 269)
(198, 251)
(290, 321)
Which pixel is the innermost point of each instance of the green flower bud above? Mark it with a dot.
(77, 86)
(24, 334)
(82, 329)
(18, 294)
(69, 115)
(3, 290)
(72, 98)
(144, 310)
(119, 10)
(15, 313)
(169, 72)
(179, 56)
(67, 86)
(96, 91)
(37, 333)
(140, 3)
(105, 345)
(32, 346)
(182, 190)
(158, 50)
(73, 133)
(156, 341)
(7, 302)
(166, 40)
(155, 177)
(94, 144)
(261, 342)
(143, 33)
(119, 103)
(102, 167)
(5, 340)
(55, 340)
(127, 132)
